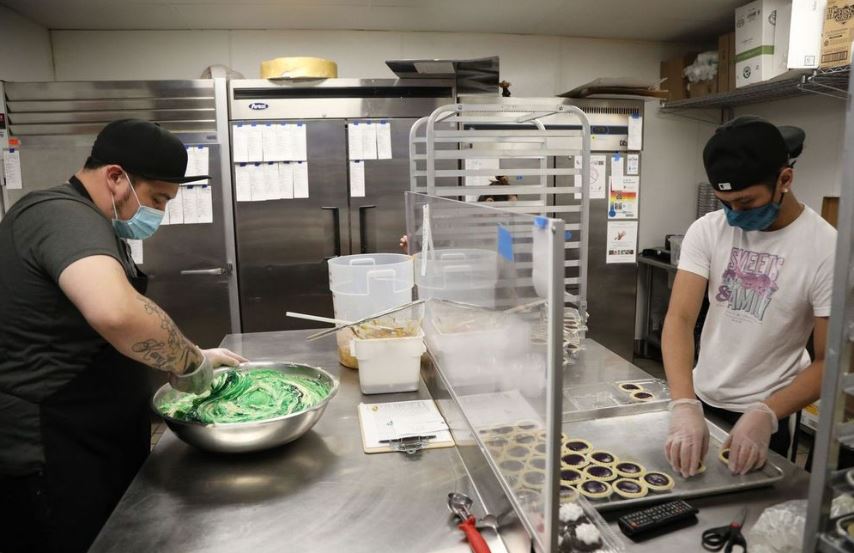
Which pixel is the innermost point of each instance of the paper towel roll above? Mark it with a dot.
(299, 68)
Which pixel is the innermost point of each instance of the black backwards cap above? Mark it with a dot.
(145, 149)
(749, 150)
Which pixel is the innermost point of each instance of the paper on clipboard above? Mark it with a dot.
(380, 422)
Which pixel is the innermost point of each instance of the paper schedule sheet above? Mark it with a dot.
(357, 179)
(384, 140)
(257, 189)
(635, 138)
(198, 162)
(381, 422)
(270, 176)
(175, 208)
(241, 183)
(300, 169)
(12, 169)
(369, 141)
(255, 142)
(204, 204)
(240, 142)
(355, 142)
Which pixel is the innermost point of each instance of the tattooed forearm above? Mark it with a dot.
(169, 350)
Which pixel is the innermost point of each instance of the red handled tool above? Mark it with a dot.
(459, 504)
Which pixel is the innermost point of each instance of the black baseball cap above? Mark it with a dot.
(749, 150)
(145, 149)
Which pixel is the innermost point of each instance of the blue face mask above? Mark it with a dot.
(142, 225)
(758, 218)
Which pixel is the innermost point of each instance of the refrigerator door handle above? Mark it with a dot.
(214, 272)
(363, 230)
(336, 220)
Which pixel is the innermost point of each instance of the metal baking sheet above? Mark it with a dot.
(637, 433)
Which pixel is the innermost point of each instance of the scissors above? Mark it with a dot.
(726, 537)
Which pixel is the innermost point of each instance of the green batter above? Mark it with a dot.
(243, 396)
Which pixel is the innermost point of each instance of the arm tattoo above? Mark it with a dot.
(172, 351)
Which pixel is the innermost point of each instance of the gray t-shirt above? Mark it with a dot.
(45, 342)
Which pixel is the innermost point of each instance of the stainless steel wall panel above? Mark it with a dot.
(119, 90)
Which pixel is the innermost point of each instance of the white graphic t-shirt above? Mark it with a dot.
(765, 290)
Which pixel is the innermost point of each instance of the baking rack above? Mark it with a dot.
(826, 481)
(449, 151)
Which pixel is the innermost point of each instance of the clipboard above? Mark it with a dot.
(404, 426)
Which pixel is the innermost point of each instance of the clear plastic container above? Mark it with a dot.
(362, 285)
(464, 275)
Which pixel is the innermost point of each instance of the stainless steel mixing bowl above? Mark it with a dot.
(250, 436)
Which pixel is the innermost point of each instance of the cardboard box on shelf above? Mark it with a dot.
(756, 58)
(837, 34)
(702, 88)
(731, 60)
(676, 83)
(806, 23)
(723, 63)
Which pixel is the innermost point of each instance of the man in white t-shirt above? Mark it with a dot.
(768, 263)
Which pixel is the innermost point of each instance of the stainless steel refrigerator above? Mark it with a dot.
(283, 245)
(190, 266)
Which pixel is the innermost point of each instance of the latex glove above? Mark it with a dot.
(221, 357)
(688, 438)
(748, 442)
(199, 380)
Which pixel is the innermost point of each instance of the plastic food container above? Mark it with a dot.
(362, 285)
(464, 275)
(388, 365)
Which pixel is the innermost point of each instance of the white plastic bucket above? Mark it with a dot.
(388, 365)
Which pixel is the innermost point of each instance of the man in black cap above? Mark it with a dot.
(768, 263)
(77, 333)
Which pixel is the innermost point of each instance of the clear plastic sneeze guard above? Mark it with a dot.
(494, 328)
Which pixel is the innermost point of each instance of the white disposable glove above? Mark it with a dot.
(688, 438)
(748, 442)
(221, 357)
(199, 380)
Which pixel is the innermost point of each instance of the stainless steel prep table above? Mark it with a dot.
(321, 493)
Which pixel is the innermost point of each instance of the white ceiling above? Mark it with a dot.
(663, 20)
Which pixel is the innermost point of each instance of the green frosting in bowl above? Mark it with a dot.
(245, 396)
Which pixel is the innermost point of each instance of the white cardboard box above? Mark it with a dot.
(756, 58)
(806, 20)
